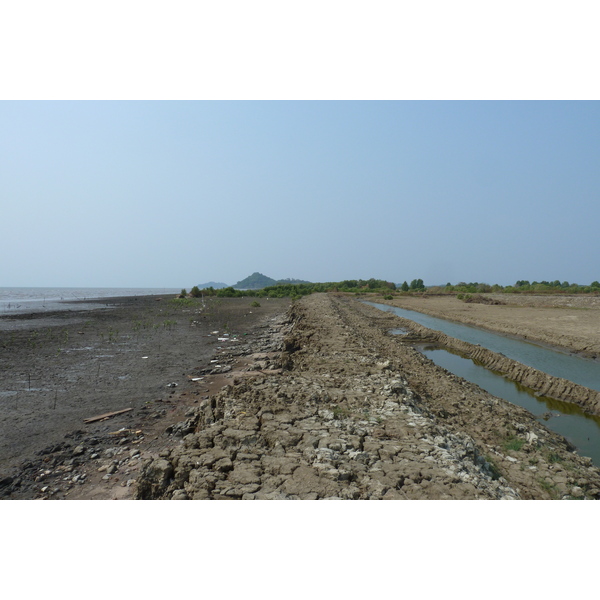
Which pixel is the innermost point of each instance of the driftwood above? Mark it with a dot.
(106, 415)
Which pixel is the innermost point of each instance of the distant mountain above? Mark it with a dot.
(217, 285)
(258, 281)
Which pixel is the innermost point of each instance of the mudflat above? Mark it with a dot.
(568, 322)
(60, 369)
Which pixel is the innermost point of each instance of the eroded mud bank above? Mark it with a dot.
(546, 385)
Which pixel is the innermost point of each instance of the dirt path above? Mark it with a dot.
(570, 322)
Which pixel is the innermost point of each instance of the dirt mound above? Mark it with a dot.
(479, 299)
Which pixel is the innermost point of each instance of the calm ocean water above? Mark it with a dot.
(15, 300)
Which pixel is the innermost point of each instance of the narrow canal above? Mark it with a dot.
(584, 371)
(582, 430)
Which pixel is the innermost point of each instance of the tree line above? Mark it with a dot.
(520, 286)
(386, 288)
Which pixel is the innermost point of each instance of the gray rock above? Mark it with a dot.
(155, 478)
(180, 495)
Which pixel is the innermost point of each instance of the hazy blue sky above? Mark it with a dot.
(151, 193)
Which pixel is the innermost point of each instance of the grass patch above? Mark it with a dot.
(183, 301)
(553, 458)
(513, 443)
(548, 487)
(340, 413)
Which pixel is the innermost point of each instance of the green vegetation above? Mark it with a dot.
(417, 284)
(179, 301)
(520, 287)
(297, 290)
(513, 443)
(255, 304)
(260, 286)
(340, 412)
(552, 458)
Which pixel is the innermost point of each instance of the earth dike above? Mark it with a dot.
(331, 406)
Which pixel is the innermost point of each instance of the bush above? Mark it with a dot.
(255, 304)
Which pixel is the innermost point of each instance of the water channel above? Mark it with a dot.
(582, 430)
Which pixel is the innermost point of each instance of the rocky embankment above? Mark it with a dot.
(334, 408)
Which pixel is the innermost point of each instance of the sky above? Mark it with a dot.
(176, 193)
(144, 147)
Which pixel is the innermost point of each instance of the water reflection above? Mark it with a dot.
(567, 419)
(580, 370)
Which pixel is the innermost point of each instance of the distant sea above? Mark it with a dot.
(15, 300)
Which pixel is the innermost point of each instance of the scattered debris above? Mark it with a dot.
(106, 415)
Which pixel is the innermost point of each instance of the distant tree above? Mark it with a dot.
(195, 292)
(404, 287)
(417, 284)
